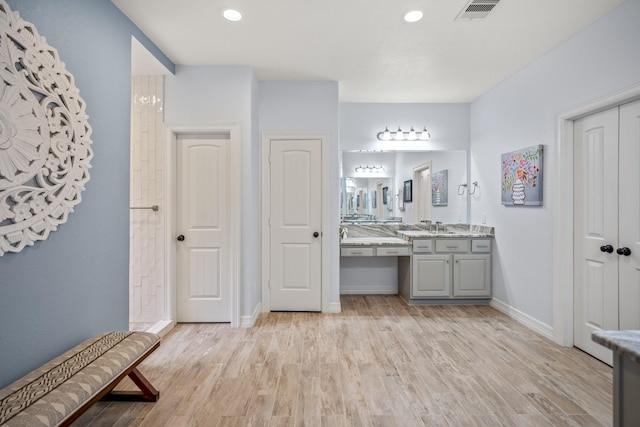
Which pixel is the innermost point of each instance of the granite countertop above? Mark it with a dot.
(374, 241)
(627, 342)
(415, 234)
(403, 234)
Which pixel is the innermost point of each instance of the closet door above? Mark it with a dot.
(629, 208)
(606, 225)
(595, 229)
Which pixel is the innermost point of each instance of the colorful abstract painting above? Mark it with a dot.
(522, 177)
(440, 188)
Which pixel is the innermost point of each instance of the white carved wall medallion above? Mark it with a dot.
(45, 140)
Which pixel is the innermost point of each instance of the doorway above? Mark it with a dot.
(422, 193)
(607, 246)
(294, 255)
(563, 275)
(207, 138)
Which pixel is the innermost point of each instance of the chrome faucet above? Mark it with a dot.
(343, 232)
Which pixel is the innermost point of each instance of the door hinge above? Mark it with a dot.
(269, 284)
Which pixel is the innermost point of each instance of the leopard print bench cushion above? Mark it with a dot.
(49, 394)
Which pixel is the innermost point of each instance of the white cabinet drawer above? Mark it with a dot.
(483, 245)
(393, 251)
(452, 245)
(356, 252)
(422, 245)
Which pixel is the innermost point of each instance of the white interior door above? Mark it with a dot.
(295, 225)
(203, 258)
(607, 225)
(629, 267)
(596, 228)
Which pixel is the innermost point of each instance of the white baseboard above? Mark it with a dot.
(523, 318)
(335, 307)
(249, 321)
(162, 327)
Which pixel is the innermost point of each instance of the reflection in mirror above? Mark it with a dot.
(365, 175)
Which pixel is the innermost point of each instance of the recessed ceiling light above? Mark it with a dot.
(413, 16)
(232, 15)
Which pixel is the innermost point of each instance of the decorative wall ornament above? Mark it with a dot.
(45, 140)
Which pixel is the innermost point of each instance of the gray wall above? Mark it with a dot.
(310, 108)
(75, 284)
(522, 111)
(448, 125)
(212, 95)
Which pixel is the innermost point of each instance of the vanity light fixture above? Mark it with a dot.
(231, 15)
(399, 135)
(370, 169)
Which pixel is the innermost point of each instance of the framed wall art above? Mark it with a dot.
(522, 175)
(440, 188)
(407, 194)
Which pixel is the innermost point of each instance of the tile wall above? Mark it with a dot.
(146, 257)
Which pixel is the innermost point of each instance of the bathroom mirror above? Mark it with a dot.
(372, 184)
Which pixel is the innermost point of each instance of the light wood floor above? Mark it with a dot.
(378, 363)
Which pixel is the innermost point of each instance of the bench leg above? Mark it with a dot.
(147, 392)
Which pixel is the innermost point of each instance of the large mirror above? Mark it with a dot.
(404, 186)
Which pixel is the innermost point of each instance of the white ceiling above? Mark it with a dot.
(364, 44)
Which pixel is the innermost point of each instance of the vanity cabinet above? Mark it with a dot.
(431, 276)
(472, 275)
(448, 268)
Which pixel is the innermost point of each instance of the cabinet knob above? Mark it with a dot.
(180, 238)
(316, 234)
(624, 251)
(606, 248)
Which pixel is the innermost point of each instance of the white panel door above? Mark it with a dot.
(607, 225)
(203, 261)
(295, 225)
(596, 229)
(629, 215)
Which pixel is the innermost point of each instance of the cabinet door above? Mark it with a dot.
(472, 275)
(431, 276)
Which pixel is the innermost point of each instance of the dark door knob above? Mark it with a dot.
(316, 234)
(180, 238)
(624, 251)
(606, 248)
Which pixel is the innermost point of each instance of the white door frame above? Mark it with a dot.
(265, 204)
(563, 211)
(235, 207)
(417, 189)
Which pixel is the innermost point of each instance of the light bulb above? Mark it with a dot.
(413, 16)
(412, 134)
(386, 135)
(399, 136)
(424, 135)
(232, 15)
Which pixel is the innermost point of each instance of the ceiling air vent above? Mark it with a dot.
(477, 9)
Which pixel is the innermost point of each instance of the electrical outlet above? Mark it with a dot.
(484, 218)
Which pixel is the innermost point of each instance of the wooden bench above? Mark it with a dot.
(59, 392)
